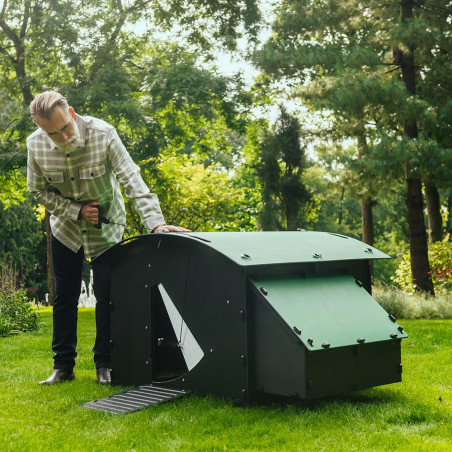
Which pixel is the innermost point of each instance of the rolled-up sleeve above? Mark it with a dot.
(128, 175)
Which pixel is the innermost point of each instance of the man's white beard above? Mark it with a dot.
(72, 143)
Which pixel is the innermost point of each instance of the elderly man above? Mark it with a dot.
(75, 165)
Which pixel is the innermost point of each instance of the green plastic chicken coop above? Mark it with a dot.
(249, 316)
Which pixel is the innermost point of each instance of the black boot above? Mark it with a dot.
(58, 376)
(103, 376)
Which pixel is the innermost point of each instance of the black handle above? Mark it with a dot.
(99, 222)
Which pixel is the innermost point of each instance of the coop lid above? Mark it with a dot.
(263, 248)
(328, 311)
(282, 247)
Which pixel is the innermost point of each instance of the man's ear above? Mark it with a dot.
(72, 112)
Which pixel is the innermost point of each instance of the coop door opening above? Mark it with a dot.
(175, 349)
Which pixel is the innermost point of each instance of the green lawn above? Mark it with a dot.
(407, 416)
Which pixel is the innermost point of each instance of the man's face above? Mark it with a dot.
(61, 128)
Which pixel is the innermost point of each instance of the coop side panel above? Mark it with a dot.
(130, 319)
(214, 309)
(277, 357)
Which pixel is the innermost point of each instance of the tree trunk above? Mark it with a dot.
(415, 214)
(449, 217)
(367, 204)
(367, 220)
(50, 278)
(341, 206)
(368, 226)
(18, 60)
(291, 215)
(418, 239)
(435, 222)
(22, 78)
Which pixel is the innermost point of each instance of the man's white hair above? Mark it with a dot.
(44, 105)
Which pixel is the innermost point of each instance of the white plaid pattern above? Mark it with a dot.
(62, 181)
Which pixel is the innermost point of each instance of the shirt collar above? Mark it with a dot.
(52, 144)
(82, 130)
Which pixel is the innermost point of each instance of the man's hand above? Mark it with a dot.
(170, 228)
(90, 213)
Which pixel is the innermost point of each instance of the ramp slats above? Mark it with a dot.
(135, 399)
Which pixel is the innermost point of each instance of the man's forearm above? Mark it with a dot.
(128, 175)
(58, 205)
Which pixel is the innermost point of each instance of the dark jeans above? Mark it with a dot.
(67, 269)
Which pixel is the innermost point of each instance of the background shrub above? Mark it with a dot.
(413, 306)
(440, 259)
(16, 313)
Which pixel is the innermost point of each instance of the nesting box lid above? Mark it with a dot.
(328, 311)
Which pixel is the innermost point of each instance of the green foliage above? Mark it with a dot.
(206, 23)
(391, 231)
(16, 314)
(390, 159)
(338, 209)
(440, 259)
(342, 57)
(174, 77)
(197, 197)
(287, 202)
(23, 241)
(13, 188)
(391, 242)
(14, 126)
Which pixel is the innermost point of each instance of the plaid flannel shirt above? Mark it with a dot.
(64, 181)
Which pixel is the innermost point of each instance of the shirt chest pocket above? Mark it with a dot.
(92, 182)
(92, 172)
(54, 177)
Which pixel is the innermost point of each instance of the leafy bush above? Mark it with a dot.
(440, 259)
(23, 240)
(413, 306)
(16, 313)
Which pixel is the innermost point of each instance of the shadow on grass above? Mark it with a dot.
(368, 397)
